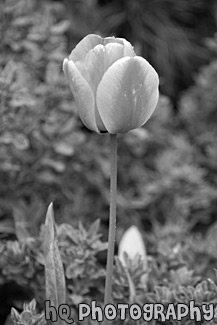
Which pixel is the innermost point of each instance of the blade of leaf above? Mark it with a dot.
(54, 272)
(20, 222)
(94, 228)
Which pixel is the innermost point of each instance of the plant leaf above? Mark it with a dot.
(54, 272)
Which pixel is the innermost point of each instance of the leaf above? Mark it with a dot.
(47, 177)
(21, 224)
(15, 316)
(22, 22)
(21, 142)
(54, 272)
(58, 166)
(63, 148)
(6, 138)
(60, 28)
(94, 228)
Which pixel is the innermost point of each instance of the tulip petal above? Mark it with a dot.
(92, 40)
(128, 49)
(84, 46)
(97, 61)
(82, 93)
(127, 94)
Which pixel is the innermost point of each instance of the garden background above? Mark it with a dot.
(167, 170)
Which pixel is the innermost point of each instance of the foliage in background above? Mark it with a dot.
(165, 32)
(23, 263)
(171, 276)
(167, 177)
(47, 156)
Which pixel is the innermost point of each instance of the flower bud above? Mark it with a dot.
(132, 244)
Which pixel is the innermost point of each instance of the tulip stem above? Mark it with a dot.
(112, 221)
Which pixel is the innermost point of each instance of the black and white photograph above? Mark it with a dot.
(108, 162)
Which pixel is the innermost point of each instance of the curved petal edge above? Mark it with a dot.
(127, 94)
(83, 95)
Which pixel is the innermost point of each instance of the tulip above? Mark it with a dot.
(114, 90)
(132, 244)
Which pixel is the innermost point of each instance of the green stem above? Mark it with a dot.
(112, 222)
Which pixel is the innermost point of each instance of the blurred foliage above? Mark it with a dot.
(176, 273)
(23, 262)
(28, 316)
(167, 174)
(165, 32)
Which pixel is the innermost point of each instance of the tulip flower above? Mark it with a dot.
(114, 90)
(132, 244)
